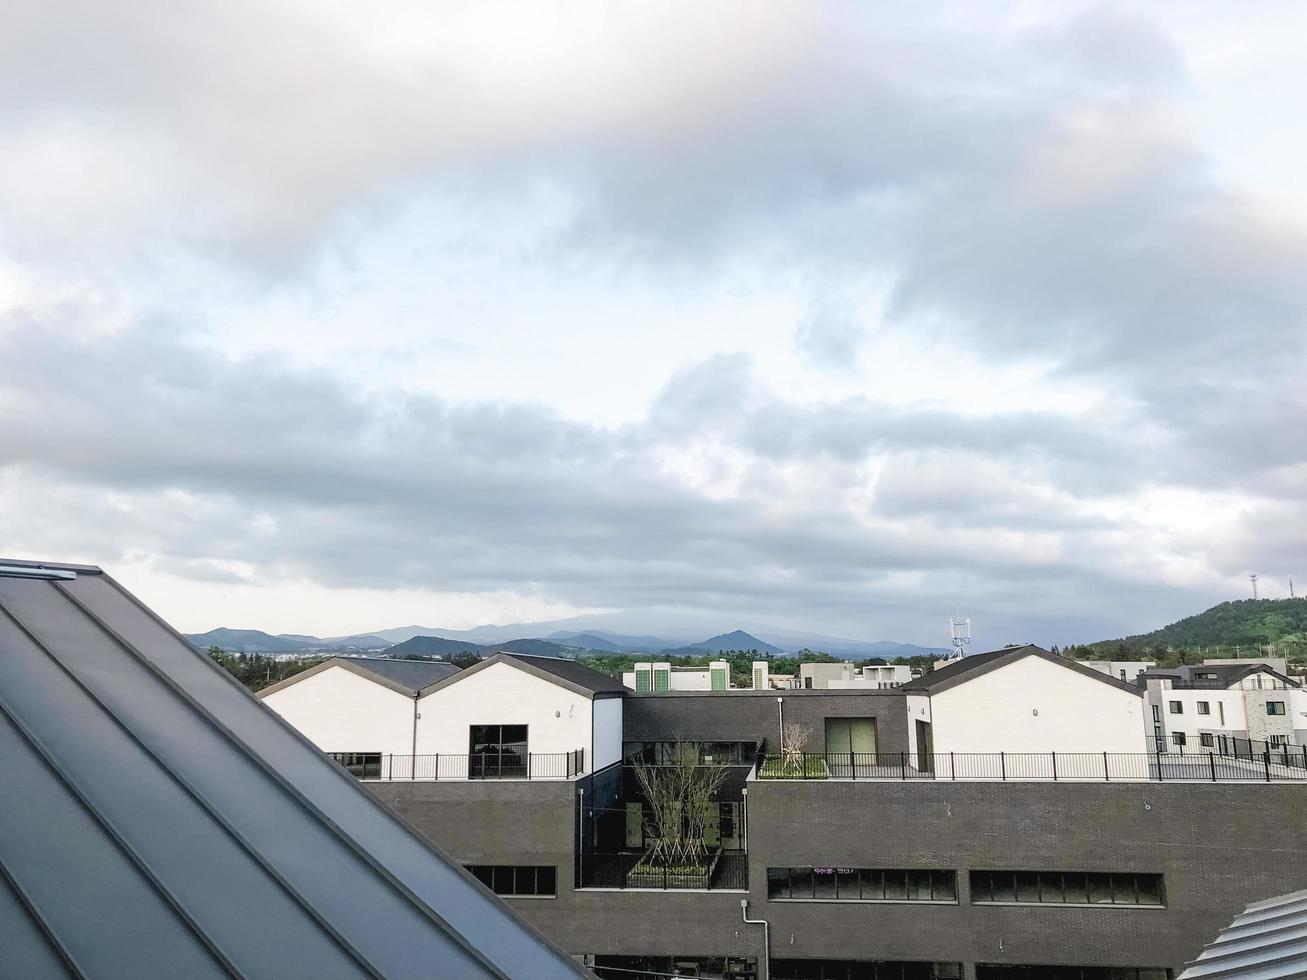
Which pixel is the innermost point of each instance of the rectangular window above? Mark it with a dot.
(796, 969)
(1066, 888)
(1275, 707)
(987, 971)
(497, 752)
(861, 885)
(1204, 708)
(1178, 738)
(517, 881)
(1206, 739)
(1177, 708)
(1220, 708)
(360, 765)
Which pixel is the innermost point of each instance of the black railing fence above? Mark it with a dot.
(1253, 749)
(724, 870)
(1281, 763)
(532, 765)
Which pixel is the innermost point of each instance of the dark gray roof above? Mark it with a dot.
(163, 823)
(963, 670)
(405, 676)
(1268, 939)
(576, 673)
(570, 674)
(1226, 675)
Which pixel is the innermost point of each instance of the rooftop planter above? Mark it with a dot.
(649, 874)
(778, 767)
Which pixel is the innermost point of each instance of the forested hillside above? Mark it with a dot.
(1230, 629)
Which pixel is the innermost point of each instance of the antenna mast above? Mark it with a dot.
(959, 631)
(1253, 579)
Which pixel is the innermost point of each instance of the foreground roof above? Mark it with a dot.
(408, 677)
(164, 823)
(576, 677)
(968, 668)
(1268, 939)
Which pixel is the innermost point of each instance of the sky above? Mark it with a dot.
(322, 317)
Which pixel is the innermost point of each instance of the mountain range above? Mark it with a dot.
(429, 641)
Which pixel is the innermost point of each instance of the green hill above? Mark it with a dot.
(1225, 630)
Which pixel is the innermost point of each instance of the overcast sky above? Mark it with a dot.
(324, 317)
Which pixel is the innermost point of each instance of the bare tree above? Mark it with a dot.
(681, 793)
(794, 742)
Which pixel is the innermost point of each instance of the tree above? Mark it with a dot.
(794, 743)
(680, 793)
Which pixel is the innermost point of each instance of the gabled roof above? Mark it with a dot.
(167, 819)
(1267, 939)
(1226, 675)
(968, 668)
(573, 676)
(408, 677)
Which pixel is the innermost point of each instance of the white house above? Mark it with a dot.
(351, 705)
(1022, 700)
(511, 716)
(1191, 708)
(511, 709)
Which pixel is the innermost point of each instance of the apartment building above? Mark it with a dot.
(999, 819)
(1123, 670)
(1192, 709)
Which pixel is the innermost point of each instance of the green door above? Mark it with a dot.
(845, 735)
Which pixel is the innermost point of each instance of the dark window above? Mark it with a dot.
(1275, 707)
(786, 969)
(497, 752)
(1178, 738)
(517, 881)
(862, 884)
(1204, 708)
(986, 971)
(361, 765)
(1206, 739)
(1066, 887)
(1177, 708)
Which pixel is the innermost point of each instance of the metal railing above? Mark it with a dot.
(1252, 749)
(725, 870)
(1025, 766)
(473, 766)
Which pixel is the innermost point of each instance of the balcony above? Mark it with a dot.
(1283, 764)
(385, 767)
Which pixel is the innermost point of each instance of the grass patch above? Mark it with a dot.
(775, 767)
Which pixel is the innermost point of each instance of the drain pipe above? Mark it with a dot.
(766, 937)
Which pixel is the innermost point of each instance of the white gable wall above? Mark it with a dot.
(1033, 705)
(557, 720)
(607, 734)
(339, 711)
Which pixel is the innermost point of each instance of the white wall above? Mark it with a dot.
(607, 734)
(918, 706)
(1225, 714)
(339, 711)
(1114, 668)
(558, 720)
(1032, 705)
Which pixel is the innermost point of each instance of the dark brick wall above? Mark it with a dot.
(745, 716)
(1218, 847)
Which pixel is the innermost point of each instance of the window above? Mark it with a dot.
(1279, 740)
(986, 971)
(1206, 739)
(1178, 738)
(1066, 888)
(786, 969)
(361, 765)
(1122, 673)
(517, 881)
(1220, 708)
(1275, 707)
(1177, 708)
(1204, 708)
(497, 752)
(861, 885)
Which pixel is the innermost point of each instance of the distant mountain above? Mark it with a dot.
(432, 646)
(735, 640)
(588, 641)
(537, 648)
(1247, 622)
(245, 641)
